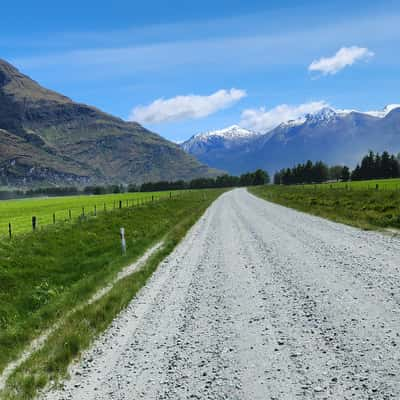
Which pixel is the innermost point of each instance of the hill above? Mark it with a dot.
(46, 138)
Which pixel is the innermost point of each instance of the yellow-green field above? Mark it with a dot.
(20, 212)
(383, 184)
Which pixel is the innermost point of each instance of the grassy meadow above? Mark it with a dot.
(359, 205)
(45, 274)
(383, 184)
(20, 212)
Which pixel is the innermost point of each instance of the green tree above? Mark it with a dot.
(345, 174)
(335, 172)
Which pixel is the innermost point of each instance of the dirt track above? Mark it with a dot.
(258, 302)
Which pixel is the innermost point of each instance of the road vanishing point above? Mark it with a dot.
(258, 301)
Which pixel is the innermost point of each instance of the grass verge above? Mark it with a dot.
(93, 259)
(362, 208)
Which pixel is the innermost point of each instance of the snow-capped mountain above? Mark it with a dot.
(331, 135)
(223, 139)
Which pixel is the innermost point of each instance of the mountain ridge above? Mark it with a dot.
(55, 140)
(334, 136)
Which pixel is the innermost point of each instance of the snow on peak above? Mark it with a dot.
(324, 114)
(293, 122)
(231, 132)
(383, 113)
(391, 107)
(327, 114)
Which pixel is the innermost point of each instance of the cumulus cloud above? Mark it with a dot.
(344, 57)
(186, 107)
(263, 120)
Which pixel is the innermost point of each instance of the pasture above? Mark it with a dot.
(383, 184)
(20, 212)
(361, 205)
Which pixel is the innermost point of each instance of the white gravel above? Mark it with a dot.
(257, 302)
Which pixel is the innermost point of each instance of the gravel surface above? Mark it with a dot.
(257, 302)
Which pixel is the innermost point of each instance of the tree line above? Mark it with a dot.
(258, 177)
(372, 166)
(375, 165)
(311, 173)
(255, 178)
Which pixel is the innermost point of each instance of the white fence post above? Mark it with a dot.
(123, 241)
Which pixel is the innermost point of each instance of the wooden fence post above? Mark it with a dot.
(95, 210)
(9, 230)
(33, 223)
(83, 211)
(120, 204)
(54, 218)
(69, 214)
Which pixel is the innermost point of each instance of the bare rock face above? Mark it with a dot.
(46, 138)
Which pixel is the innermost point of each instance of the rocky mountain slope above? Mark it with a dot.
(334, 136)
(46, 138)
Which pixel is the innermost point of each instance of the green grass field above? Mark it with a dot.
(383, 184)
(47, 273)
(358, 206)
(20, 212)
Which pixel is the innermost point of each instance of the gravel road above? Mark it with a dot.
(257, 302)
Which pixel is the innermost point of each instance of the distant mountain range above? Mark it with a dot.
(46, 138)
(334, 136)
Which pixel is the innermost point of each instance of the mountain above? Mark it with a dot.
(46, 138)
(334, 136)
(217, 147)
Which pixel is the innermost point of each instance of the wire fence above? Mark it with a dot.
(26, 223)
(350, 186)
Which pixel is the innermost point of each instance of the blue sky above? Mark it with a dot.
(192, 54)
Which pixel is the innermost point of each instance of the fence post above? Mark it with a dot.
(152, 199)
(120, 204)
(33, 223)
(83, 211)
(123, 242)
(170, 195)
(54, 218)
(69, 214)
(95, 210)
(377, 186)
(9, 230)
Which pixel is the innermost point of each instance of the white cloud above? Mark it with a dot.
(344, 57)
(263, 120)
(186, 107)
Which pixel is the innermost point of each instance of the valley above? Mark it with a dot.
(258, 301)
(200, 200)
